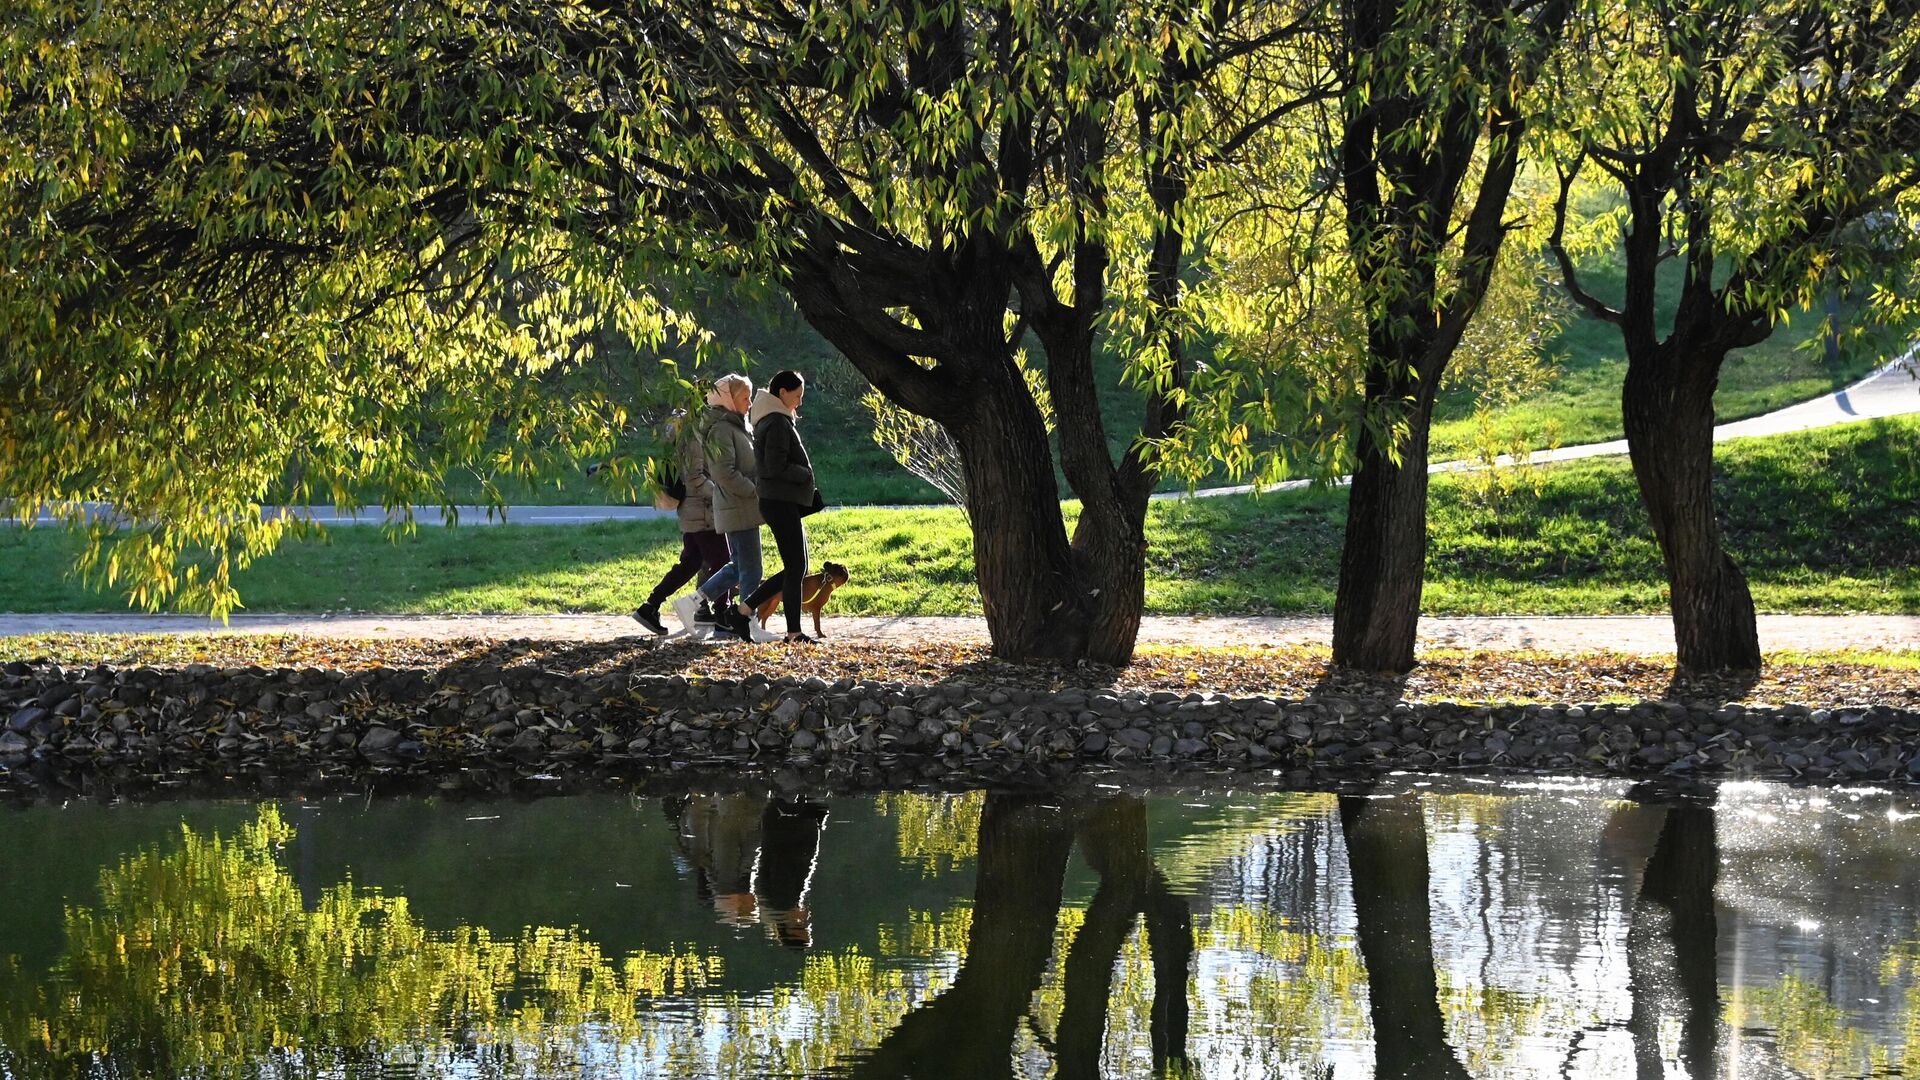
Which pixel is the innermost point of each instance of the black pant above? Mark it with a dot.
(790, 536)
(701, 553)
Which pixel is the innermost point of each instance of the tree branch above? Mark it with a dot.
(1569, 276)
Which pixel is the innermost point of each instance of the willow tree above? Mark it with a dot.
(1766, 146)
(1432, 123)
(1372, 235)
(334, 227)
(254, 251)
(936, 183)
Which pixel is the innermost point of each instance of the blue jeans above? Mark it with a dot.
(743, 572)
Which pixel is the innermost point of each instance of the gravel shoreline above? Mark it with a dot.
(101, 726)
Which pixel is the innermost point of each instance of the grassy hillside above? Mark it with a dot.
(1582, 405)
(1823, 521)
(1591, 363)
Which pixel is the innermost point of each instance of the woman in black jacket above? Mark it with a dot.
(785, 485)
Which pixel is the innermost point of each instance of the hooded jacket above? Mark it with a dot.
(785, 471)
(696, 507)
(730, 470)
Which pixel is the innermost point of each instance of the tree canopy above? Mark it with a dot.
(346, 238)
(258, 253)
(305, 252)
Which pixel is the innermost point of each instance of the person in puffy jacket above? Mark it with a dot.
(702, 550)
(736, 502)
(785, 485)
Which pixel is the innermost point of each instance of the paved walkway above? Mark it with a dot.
(1894, 390)
(1642, 634)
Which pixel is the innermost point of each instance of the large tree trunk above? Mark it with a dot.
(1668, 413)
(1110, 554)
(1387, 854)
(1376, 613)
(967, 1032)
(1044, 598)
(1404, 188)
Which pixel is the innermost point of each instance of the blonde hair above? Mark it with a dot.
(723, 388)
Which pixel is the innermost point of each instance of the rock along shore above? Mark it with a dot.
(120, 726)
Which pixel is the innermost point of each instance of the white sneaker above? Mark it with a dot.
(683, 612)
(761, 633)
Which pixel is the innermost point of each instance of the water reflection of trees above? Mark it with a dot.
(1020, 862)
(202, 960)
(936, 832)
(200, 957)
(1387, 852)
(1673, 946)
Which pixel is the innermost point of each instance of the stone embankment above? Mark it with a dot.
(123, 725)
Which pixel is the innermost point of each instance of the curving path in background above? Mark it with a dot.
(1894, 390)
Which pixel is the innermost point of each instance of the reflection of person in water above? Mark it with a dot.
(720, 835)
(752, 859)
(790, 841)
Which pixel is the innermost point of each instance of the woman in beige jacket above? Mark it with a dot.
(736, 504)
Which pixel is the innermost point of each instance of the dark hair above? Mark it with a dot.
(783, 381)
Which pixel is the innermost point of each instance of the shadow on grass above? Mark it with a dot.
(1845, 500)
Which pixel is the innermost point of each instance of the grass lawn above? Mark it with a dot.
(1585, 398)
(1825, 521)
(1584, 401)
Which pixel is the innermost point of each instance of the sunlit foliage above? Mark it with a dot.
(937, 831)
(256, 252)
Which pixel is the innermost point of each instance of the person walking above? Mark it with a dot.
(702, 550)
(787, 493)
(736, 504)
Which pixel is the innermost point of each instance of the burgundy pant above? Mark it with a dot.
(701, 553)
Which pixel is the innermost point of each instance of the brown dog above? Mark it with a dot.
(814, 590)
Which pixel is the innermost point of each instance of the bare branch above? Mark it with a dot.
(1570, 277)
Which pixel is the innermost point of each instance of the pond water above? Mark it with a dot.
(1424, 929)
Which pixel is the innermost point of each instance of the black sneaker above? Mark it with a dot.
(648, 615)
(705, 615)
(740, 624)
